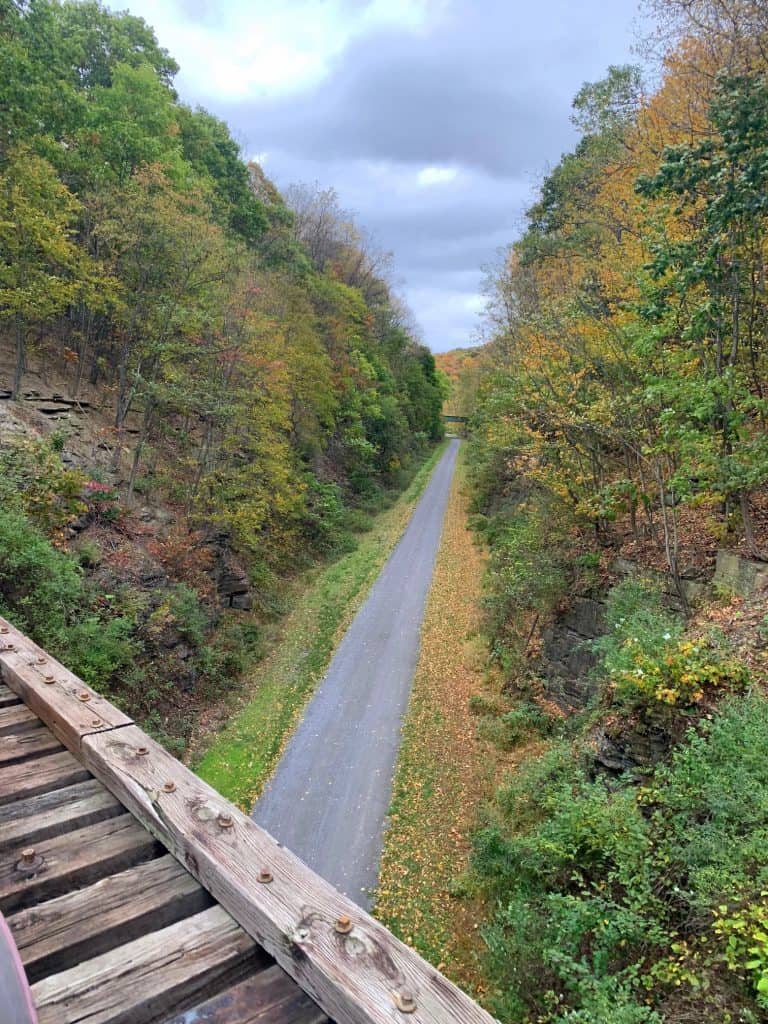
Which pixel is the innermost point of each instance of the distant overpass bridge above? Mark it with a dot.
(456, 423)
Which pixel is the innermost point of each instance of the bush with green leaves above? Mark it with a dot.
(609, 896)
(33, 475)
(650, 664)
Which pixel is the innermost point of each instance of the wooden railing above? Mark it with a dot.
(353, 967)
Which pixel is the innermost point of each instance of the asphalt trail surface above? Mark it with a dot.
(329, 797)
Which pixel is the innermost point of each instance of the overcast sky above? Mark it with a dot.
(433, 119)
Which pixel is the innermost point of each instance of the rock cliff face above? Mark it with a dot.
(566, 661)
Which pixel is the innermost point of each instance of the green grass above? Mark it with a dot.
(243, 755)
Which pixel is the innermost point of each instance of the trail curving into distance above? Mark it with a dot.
(329, 796)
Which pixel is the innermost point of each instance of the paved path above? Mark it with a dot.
(330, 794)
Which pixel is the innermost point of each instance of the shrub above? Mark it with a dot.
(648, 662)
(608, 896)
(97, 650)
(33, 476)
(41, 589)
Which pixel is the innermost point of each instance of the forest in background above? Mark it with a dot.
(255, 374)
(620, 404)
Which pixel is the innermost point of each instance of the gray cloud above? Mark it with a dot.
(485, 89)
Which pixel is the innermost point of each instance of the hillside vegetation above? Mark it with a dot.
(622, 412)
(255, 386)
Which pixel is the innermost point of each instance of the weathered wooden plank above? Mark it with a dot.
(357, 976)
(80, 925)
(55, 812)
(75, 858)
(7, 696)
(69, 707)
(17, 719)
(269, 997)
(24, 745)
(19, 781)
(138, 982)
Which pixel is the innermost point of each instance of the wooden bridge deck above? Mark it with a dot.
(109, 926)
(138, 895)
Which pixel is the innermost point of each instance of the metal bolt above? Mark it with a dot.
(49, 680)
(83, 696)
(343, 924)
(404, 1001)
(4, 629)
(168, 787)
(142, 751)
(96, 723)
(30, 862)
(225, 820)
(265, 876)
(10, 647)
(41, 661)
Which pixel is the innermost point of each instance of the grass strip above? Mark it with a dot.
(242, 757)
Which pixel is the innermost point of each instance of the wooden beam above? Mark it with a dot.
(19, 781)
(75, 858)
(17, 719)
(55, 812)
(146, 979)
(80, 925)
(7, 697)
(27, 745)
(269, 997)
(357, 976)
(69, 707)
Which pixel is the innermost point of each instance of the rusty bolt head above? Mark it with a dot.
(265, 876)
(225, 820)
(30, 862)
(169, 787)
(96, 723)
(10, 647)
(404, 1000)
(343, 924)
(4, 629)
(142, 751)
(41, 661)
(49, 680)
(83, 696)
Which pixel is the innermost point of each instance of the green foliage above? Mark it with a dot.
(32, 473)
(647, 662)
(595, 883)
(40, 588)
(529, 543)
(745, 932)
(97, 651)
(273, 386)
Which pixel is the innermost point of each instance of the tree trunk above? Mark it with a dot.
(21, 360)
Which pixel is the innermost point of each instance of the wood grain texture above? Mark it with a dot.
(55, 812)
(80, 925)
(353, 977)
(7, 696)
(23, 745)
(17, 719)
(75, 858)
(26, 779)
(141, 980)
(269, 997)
(24, 670)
